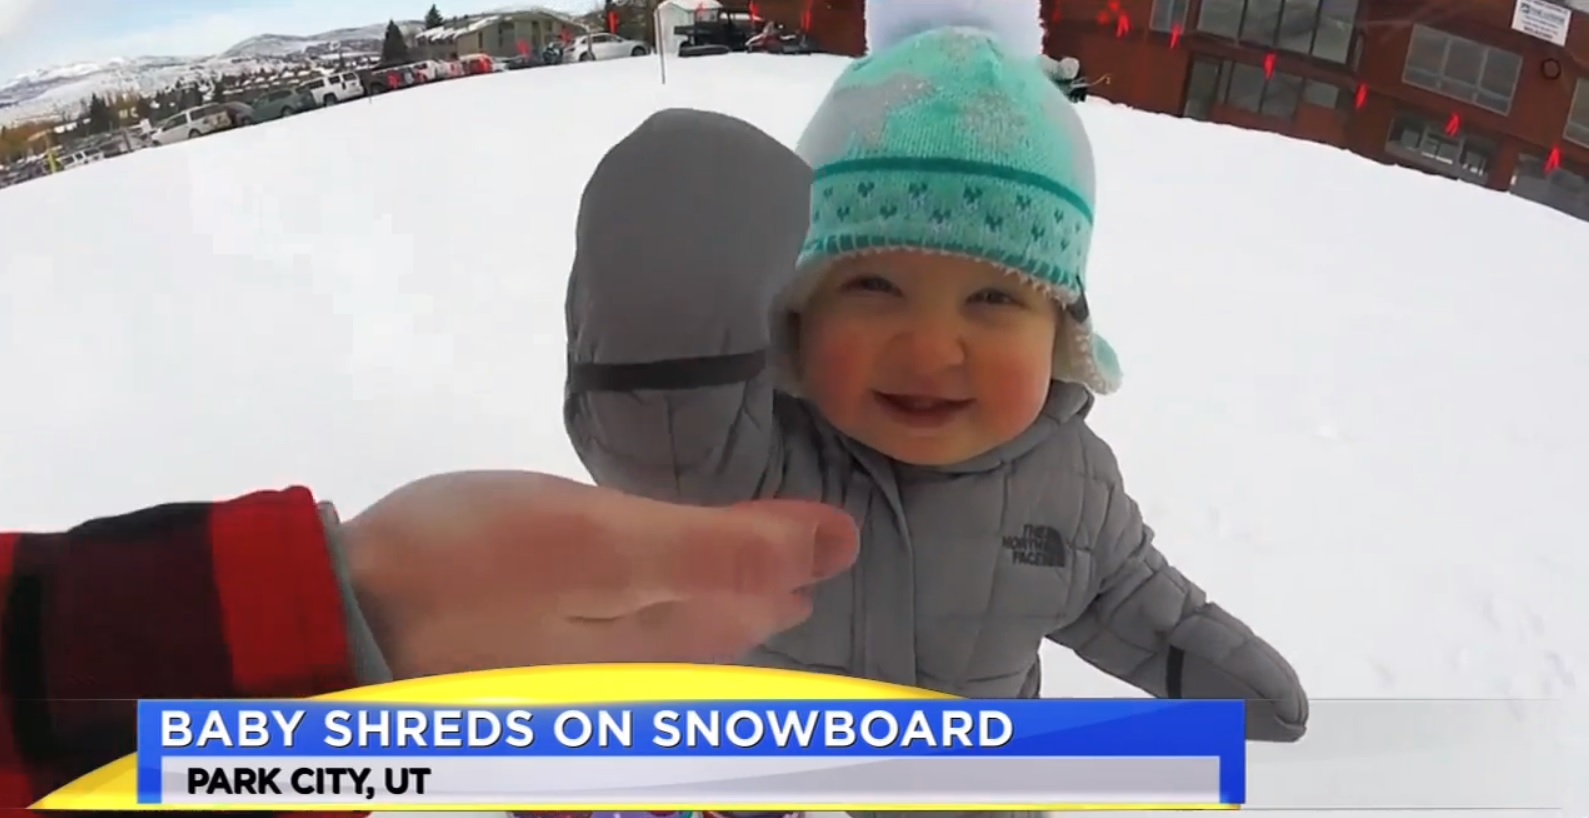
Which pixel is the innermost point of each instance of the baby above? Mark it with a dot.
(895, 321)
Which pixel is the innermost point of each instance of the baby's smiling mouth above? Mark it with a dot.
(921, 410)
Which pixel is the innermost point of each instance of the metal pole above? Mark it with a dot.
(662, 48)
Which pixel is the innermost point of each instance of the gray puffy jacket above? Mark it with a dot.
(687, 234)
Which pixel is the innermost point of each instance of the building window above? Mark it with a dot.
(1423, 142)
(1241, 86)
(1561, 189)
(1245, 91)
(1202, 88)
(1168, 15)
(1297, 25)
(1275, 97)
(1322, 94)
(1260, 22)
(1318, 28)
(1462, 69)
(1281, 95)
(1221, 18)
(1337, 23)
(1578, 116)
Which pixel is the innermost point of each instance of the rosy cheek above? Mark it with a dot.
(1014, 387)
(835, 364)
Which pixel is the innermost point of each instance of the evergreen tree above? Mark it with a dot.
(218, 89)
(100, 118)
(433, 18)
(394, 49)
(143, 108)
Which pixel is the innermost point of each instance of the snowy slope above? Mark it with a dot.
(1354, 397)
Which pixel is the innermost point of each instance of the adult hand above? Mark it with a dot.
(480, 570)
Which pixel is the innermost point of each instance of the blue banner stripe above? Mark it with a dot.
(873, 729)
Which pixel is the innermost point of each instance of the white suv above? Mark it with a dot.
(603, 47)
(193, 123)
(334, 88)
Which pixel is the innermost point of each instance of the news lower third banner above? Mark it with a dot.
(645, 737)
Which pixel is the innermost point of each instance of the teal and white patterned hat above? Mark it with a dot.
(948, 137)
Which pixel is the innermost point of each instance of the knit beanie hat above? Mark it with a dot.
(949, 137)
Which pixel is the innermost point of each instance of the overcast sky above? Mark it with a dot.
(43, 33)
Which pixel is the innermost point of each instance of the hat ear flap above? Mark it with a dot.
(1083, 356)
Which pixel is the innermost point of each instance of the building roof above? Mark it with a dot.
(537, 9)
(453, 31)
(469, 25)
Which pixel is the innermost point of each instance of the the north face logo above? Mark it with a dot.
(1039, 546)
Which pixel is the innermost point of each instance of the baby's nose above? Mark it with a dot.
(930, 347)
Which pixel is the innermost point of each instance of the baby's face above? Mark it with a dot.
(929, 359)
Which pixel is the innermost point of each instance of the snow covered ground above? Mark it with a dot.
(1354, 405)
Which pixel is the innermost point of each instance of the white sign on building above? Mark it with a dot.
(1543, 19)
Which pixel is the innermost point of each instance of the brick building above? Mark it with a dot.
(1493, 92)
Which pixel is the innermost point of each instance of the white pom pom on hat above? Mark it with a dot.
(1017, 24)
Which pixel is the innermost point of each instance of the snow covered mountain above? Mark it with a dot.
(53, 90)
(361, 40)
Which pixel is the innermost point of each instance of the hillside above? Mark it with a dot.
(50, 91)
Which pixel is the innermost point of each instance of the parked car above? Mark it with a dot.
(480, 64)
(78, 158)
(193, 123)
(715, 32)
(428, 70)
(603, 47)
(334, 88)
(242, 114)
(395, 78)
(519, 62)
(775, 39)
(24, 170)
(281, 102)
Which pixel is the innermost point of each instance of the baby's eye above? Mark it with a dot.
(871, 284)
(996, 297)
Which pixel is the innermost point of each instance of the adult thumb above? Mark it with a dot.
(831, 532)
(759, 548)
